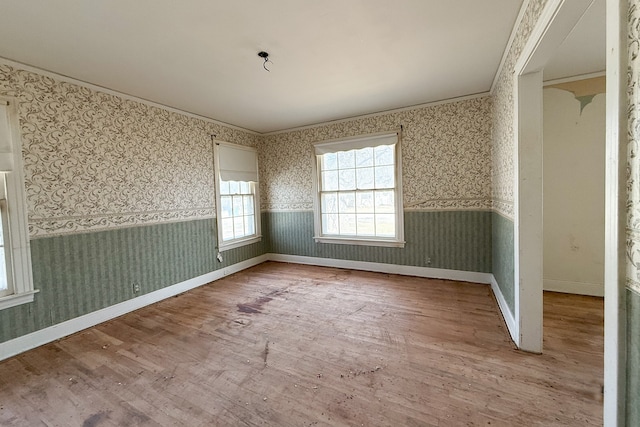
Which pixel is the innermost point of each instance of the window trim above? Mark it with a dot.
(396, 242)
(245, 240)
(22, 283)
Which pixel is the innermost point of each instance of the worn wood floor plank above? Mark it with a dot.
(292, 345)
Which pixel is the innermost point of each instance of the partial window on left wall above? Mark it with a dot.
(16, 282)
(237, 201)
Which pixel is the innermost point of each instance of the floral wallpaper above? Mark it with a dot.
(94, 160)
(446, 157)
(503, 115)
(633, 149)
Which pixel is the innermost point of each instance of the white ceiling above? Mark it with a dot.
(584, 50)
(332, 59)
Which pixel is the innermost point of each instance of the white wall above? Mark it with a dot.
(574, 162)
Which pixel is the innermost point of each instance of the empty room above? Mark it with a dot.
(306, 213)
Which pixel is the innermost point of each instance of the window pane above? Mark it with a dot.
(347, 202)
(250, 225)
(364, 202)
(364, 178)
(347, 179)
(364, 157)
(3, 271)
(225, 207)
(234, 187)
(329, 161)
(385, 202)
(237, 206)
(329, 202)
(247, 201)
(365, 224)
(330, 224)
(330, 181)
(385, 225)
(227, 228)
(384, 177)
(383, 155)
(238, 227)
(245, 187)
(346, 159)
(224, 187)
(347, 224)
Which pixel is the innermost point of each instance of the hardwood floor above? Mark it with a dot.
(290, 345)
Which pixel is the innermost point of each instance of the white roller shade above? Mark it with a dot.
(6, 156)
(356, 143)
(237, 163)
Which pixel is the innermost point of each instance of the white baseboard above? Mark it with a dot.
(60, 330)
(405, 270)
(568, 287)
(504, 309)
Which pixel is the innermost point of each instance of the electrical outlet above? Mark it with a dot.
(219, 257)
(136, 288)
(427, 260)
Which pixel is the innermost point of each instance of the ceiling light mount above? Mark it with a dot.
(264, 55)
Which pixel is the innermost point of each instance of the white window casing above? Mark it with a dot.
(392, 139)
(237, 163)
(13, 211)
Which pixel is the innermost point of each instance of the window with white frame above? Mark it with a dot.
(238, 209)
(359, 191)
(16, 282)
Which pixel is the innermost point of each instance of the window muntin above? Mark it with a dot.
(359, 196)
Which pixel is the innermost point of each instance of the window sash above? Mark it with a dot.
(237, 211)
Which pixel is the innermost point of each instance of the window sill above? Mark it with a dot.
(17, 299)
(360, 242)
(238, 243)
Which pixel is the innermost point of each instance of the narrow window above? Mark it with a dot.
(238, 210)
(16, 282)
(359, 196)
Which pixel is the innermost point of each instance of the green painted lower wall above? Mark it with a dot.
(456, 240)
(503, 257)
(80, 273)
(633, 358)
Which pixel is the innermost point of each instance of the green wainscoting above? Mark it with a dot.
(456, 240)
(633, 358)
(503, 257)
(80, 273)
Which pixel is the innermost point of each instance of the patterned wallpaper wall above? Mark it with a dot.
(503, 115)
(96, 161)
(633, 150)
(633, 216)
(446, 151)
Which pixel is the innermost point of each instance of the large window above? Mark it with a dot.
(237, 204)
(359, 197)
(16, 283)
